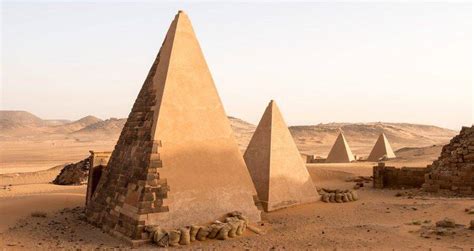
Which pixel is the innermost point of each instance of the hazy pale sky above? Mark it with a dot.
(322, 62)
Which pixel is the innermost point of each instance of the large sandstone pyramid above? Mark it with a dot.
(275, 164)
(340, 151)
(382, 149)
(176, 162)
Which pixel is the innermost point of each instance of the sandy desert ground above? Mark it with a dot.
(379, 220)
(33, 156)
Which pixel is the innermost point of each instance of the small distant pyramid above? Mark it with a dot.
(275, 164)
(340, 151)
(177, 161)
(381, 148)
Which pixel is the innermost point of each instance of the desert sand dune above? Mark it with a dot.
(25, 178)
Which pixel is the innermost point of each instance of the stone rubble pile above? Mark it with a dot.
(454, 169)
(445, 227)
(446, 223)
(337, 195)
(469, 210)
(233, 226)
(359, 181)
(74, 174)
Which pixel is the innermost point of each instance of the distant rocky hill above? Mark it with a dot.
(362, 136)
(17, 119)
(243, 131)
(86, 121)
(19, 124)
(110, 126)
(311, 139)
(414, 154)
(78, 124)
(57, 122)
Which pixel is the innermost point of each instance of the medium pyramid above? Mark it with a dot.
(381, 148)
(340, 151)
(275, 164)
(176, 162)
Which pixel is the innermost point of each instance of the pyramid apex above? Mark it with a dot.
(272, 106)
(180, 13)
(383, 136)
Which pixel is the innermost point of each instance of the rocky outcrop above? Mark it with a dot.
(454, 169)
(74, 174)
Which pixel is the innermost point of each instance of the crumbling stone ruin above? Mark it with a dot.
(337, 195)
(454, 169)
(80, 172)
(310, 158)
(307, 158)
(392, 177)
(176, 161)
(98, 161)
(74, 174)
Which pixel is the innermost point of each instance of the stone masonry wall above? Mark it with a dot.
(454, 169)
(130, 187)
(391, 177)
(307, 158)
(98, 161)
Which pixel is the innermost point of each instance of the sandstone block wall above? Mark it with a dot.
(135, 174)
(98, 162)
(454, 169)
(310, 158)
(392, 177)
(319, 160)
(307, 158)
